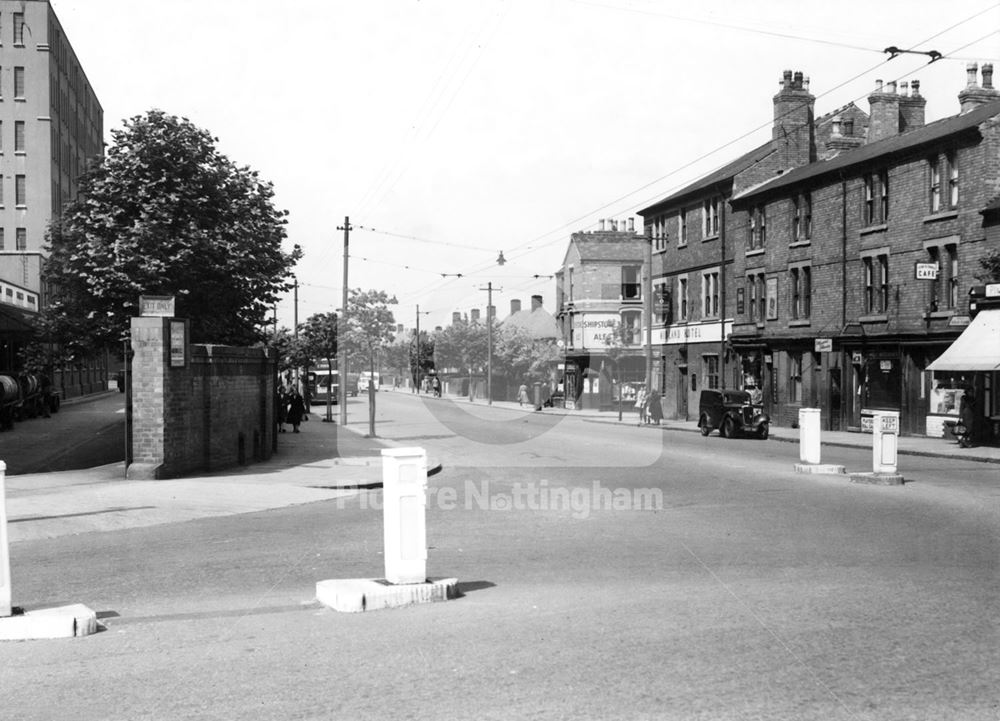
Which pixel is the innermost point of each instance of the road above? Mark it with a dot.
(750, 592)
(85, 433)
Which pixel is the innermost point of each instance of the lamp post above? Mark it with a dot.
(416, 339)
(489, 338)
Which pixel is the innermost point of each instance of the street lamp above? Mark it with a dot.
(417, 341)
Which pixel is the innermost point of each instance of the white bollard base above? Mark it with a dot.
(822, 468)
(354, 595)
(879, 479)
(59, 622)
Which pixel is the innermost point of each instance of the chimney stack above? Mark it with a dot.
(911, 108)
(536, 302)
(884, 116)
(793, 133)
(515, 306)
(474, 315)
(973, 96)
(456, 317)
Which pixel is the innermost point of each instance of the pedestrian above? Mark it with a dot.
(282, 408)
(437, 387)
(655, 407)
(967, 416)
(522, 395)
(296, 410)
(640, 404)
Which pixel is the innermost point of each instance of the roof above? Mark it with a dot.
(610, 249)
(538, 322)
(15, 319)
(977, 349)
(897, 144)
(724, 174)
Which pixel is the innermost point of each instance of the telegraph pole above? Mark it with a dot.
(648, 308)
(342, 323)
(489, 341)
(295, 335)
(417, 341)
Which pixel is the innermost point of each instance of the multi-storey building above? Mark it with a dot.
(599, 301)
(696, 240)
(864, 276)
(51, 127)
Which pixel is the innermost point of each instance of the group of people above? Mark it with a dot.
(649, 406)
(291, 408)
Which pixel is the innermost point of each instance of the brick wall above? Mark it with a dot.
(213, 411)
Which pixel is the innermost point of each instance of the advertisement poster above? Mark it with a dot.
(772, 298)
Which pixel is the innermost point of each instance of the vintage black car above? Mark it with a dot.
(733, 413)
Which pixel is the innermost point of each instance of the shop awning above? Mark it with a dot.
(977, 349)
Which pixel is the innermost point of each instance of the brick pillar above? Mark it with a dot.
(150, 365)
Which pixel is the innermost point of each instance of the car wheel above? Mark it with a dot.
(763, 431)
(703, 425)
(728, 430)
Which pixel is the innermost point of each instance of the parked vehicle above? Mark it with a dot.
(733, 413)
(24, 396)
(365, 378)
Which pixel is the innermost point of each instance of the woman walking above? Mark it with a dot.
(296, 410)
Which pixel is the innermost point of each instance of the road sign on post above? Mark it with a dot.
(5, 607)
(404, 483)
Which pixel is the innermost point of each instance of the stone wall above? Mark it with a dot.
(198, 408)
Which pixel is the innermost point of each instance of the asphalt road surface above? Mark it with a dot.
(746, 591)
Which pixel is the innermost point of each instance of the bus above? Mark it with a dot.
(321, 380)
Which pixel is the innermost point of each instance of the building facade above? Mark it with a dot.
(51, 128)
(831, 265)
(599, 301)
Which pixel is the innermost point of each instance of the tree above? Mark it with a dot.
(461, 345)
(990, 267)
(367, 328)
(616, 345)
(165, 213)
(318, 336)
(518, 354)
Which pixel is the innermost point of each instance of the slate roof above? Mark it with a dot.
(609, 249)
(895, 145)
(724, 174)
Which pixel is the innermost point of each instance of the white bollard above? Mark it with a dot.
(5, 591)
(404, 490)
(885, 436)
(809, 435)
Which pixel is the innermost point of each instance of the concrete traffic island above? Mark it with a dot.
(878, 479)
(809, 445)
(17, 625)
(404, 531)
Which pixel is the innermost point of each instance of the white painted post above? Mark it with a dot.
(809, 435)
(404, 491)
(885, 435)
(5, 593)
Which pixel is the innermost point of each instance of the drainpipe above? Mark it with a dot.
(722, 291)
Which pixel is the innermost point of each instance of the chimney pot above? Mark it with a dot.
(971, 71)
(601, 226)
(988, 76)
(631, 225)
(878, 86)
(536, 302)
(904, 89)
(797, 80)
(786, 80)
(915, 85)
(890, 87)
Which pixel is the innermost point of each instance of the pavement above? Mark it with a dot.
(323, 462)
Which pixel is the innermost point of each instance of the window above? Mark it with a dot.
(710, 214)
(631, 285)
(659, 231)
(20, 191)
(802, 218)
(876, 269)
(19, 28)
(663, 305)
(951, 162)
(758, 227)
(682, 238)
(711, 365)
(18, 136)
(935, 186)
(943, 290)
(876, 197)
(632, 327)
(2, 246)
(19, 83)
(682, 298)
(794, 377)
(710, 294)
(801, 279)
(21, 239)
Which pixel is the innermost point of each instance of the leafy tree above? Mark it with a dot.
(318, 339)
(290, 350)
(517, 354)
(990, 267)
(616, 345)
(463, 346)
(165, 213)
(367, 329)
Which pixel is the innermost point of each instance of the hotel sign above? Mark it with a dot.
(691, 333)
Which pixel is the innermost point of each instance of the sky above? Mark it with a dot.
(451, 130)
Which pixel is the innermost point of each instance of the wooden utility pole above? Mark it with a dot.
(341, 324)
(489, 341)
